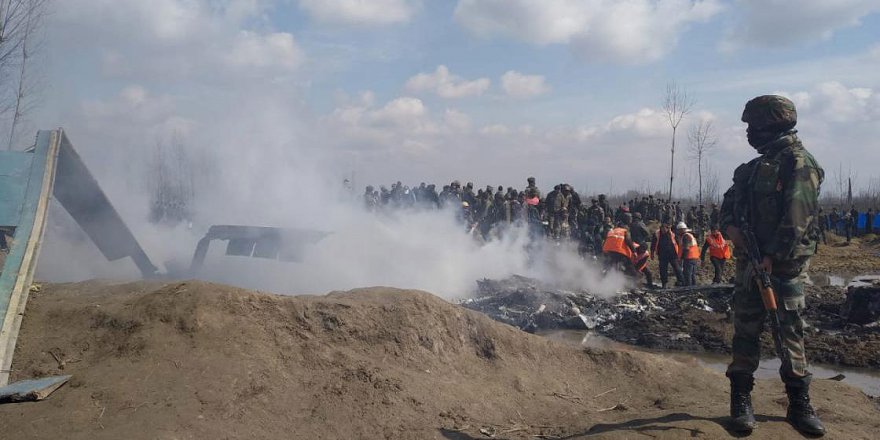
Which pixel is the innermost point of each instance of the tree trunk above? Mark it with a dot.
(672, 164)
(700, 180)
(22, 77)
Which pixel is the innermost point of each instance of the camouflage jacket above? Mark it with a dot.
(777, 195)
(640, 233)
(595, 215)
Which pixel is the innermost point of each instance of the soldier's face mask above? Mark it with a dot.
(760, 138)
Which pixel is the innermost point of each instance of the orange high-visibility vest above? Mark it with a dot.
(718, 247)
(640, 258)
(691, 252)
(657, 242)
(616, 242)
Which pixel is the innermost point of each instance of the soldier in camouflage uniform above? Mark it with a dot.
(530, 186)
(823, 225)
(702, 223)
(606, 207)
(561, 206)
(715, 215)
(777, 194)
(691, 218)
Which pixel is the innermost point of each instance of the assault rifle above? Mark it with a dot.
(768, 296)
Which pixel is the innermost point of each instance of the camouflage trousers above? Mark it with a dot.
(749, 316)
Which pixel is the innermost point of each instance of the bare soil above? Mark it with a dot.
(861, 256)
(194, 360)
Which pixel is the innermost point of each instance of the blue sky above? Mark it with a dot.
(562, 89)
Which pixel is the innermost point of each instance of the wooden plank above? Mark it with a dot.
(31, 390)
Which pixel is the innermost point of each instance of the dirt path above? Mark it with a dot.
(198, 360)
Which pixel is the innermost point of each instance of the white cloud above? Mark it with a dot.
(634, 31)
(174, 39)
(833, 102)
(457, 121)
(360, 12)
(404, 112)
(251, 50)
(401, 121)
(494, 129)
(446, 85)
(433, 144)
(646, 122)
(518, 85)
(804, 20)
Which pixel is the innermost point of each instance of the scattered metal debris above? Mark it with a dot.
(285, 244)
(535, 306)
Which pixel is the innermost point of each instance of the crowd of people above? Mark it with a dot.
(845, 223)
(618, 235)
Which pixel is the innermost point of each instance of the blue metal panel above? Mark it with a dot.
(33, 182)
(14, 171)
(30, 390)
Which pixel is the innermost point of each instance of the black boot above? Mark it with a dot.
(801, 414)
(742, 416)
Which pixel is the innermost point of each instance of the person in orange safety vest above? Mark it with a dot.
(719, 252)
(618, 247)
(689, 252)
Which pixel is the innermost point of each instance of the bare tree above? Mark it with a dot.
(676, 104)
(701, 142)
(839, 182)
(19, 21)
(712, 184)
(34, 12)
(172, 181)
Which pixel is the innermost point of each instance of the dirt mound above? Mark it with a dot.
(198, 360)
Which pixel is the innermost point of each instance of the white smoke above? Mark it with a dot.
(415, 249)
(264, 162)
(427, 250)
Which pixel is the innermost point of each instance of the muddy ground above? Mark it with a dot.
(196, 360)
(695, 320)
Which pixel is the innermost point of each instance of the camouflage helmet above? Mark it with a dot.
(770, 112)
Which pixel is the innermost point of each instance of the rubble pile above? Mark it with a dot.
(648, 318)
(843, 329)
(862, 305)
